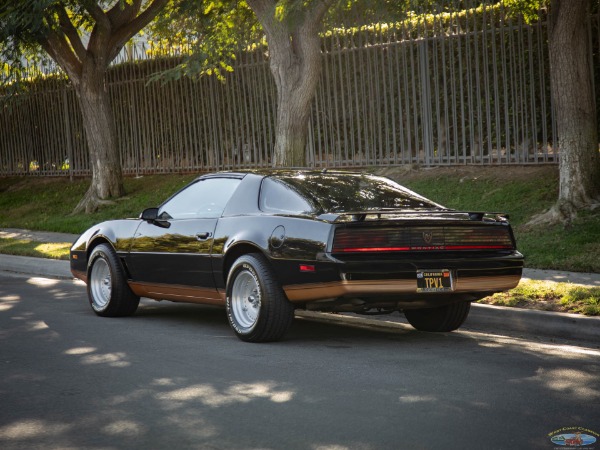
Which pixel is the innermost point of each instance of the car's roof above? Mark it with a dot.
(281, 172)
(327, 191)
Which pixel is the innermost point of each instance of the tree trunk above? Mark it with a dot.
(572, 92)
(99, 126)
(295, 93)
(295, 62)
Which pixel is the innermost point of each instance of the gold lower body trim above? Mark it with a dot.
(175, 293)
(358, 288)
(484, 284)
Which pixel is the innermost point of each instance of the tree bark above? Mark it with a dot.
(572, 92)
(295, 62)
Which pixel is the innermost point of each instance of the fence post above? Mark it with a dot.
(67, 122)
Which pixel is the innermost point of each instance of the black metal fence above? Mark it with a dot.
(470, 87)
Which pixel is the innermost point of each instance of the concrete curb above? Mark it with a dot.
(543, 323)
(485, 318)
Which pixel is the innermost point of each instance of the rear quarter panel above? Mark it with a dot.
(287, 242)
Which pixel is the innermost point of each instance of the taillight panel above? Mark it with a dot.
(401, 239)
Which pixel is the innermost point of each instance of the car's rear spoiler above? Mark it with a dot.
(361, 216)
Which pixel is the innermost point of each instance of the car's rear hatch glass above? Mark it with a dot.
(338, 193)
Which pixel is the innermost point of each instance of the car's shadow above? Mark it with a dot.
(212, 320)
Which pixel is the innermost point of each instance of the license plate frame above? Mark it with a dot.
(435, 280)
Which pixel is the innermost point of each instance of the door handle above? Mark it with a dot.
(203, 236)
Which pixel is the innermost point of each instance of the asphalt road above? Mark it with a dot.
(175, 377)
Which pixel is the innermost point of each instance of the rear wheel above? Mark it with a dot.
(257, 308)
(444, 318)
(108, 292)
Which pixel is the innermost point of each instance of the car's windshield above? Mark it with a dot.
(335, 192)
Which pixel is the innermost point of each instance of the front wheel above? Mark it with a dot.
(444, 318)
(257, 308)
(108, 292)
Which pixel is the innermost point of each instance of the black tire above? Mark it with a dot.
(444, 318)
(257, 308)
(108, 292)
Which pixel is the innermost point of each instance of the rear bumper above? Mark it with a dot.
(375, 288)
(375, 279)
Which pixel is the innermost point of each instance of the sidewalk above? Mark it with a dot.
(485, 318)
(560, 276)
(39, 236)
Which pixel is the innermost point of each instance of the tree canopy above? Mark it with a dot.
(207, 34)
(83, 37)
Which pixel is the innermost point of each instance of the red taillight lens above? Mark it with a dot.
(375, 249)
(477, 247)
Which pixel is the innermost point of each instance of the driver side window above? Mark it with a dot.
(204, 199)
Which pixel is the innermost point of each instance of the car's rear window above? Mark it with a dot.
(335, 192)
(280, 197)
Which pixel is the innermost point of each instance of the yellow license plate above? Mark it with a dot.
(438, 280)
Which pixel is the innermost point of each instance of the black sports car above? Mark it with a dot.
(263, 244)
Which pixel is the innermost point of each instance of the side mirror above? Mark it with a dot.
(149, 214)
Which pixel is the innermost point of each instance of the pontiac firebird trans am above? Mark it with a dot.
(263, 244)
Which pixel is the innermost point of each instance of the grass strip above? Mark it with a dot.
(23, 247)
(520, 191)
(21, 197)
(550, 296)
